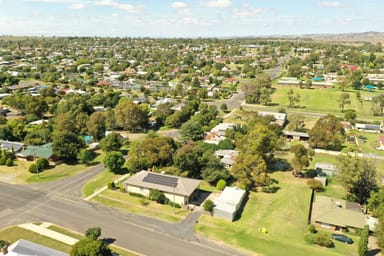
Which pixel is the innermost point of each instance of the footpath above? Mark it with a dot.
(43, 229)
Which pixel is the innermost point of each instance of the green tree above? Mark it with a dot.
(296, 122)
(376, 202)
(208, 205)
(328, 133)
(93, 233)
(315, 185)
(301, 159)
(258, 90)
(344, 100)
(85, 156)
(96, 125)
(191, 130)
(224, 107)
(112, 142)
(363, 242)
(114, 161)
(90, 247)
(358, 176)
(293, 99)
(130, 116)
(221, 184)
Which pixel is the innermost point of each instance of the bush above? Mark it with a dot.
(158, 196)
(33, 168)
(208, 205)
(144, 201)
(42, 164)
(2, 160)
(221, 184)
(111, 185)
(319, 238)
(3, 243)
(122, 188)
(9, 162)
(176, 205)
(312, 229)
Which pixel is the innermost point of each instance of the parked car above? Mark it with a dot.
(342, 238)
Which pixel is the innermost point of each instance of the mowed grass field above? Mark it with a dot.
(284, 214)
(325, 100)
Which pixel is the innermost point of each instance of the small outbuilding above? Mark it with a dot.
(228, 203)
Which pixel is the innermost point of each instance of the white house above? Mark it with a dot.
(228, 203)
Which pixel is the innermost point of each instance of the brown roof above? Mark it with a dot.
(184, 186)
(337, 212)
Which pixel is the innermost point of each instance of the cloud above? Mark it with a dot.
(77, 6)
(51, 1)
(332, 4)
(217, 3)
(178, 5)
(247, 11)
(125, 7)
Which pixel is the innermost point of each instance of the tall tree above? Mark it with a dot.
(130, 116)
(114, 161)
(258, 90)
(292, 98)
(358, 176)
(96, 125)
(301, 158)
(344, 100)
(328, 133)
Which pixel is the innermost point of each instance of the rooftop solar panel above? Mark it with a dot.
(161, 180)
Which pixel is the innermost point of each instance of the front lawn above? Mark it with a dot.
(98, 182)
(283, 214)
(124, 201)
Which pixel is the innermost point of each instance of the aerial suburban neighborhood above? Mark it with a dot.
(190, 145)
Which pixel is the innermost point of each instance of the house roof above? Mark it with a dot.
(26, 248)
(294, 133)
(337, 212)
(163, 182)
(230, 199)
(326, 166)
(7, 145)
(43, 151)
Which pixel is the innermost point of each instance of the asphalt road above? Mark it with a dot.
(59, 203)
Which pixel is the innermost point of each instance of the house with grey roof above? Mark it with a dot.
(177, 189)
(11, 145)
(336, 214)
(227, 157)
(26, 248)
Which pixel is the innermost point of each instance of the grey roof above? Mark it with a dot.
(326, 166)
(7, 145)
(293, 133)
(230, 199)
(26, 248)
(337, 212)
(184, 186)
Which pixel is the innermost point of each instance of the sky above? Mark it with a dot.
(200, 18)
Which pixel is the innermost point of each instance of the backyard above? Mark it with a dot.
(283, 214)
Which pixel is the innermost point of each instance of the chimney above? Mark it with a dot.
(4, 250)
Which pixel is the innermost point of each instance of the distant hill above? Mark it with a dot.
(371, 36)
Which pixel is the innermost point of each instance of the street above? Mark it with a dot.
(59, 203)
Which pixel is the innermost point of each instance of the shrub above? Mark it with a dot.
(122, 188)
(9, 162)
(363, 243)
(208, 205)
(176, 205)
(221, 184)
(158, 196)
(33, 168)
(3, 243)
(111, 185)
(2, 160)
(312, 229)
(42, 163)
(319, 238)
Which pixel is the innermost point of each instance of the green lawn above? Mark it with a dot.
(325, 100)
(12, 234)
(98, 181)
(123, 201)
(283, 214)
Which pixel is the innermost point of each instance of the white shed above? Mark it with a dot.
(228, 203)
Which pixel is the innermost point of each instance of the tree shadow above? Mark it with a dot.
(108, 240)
